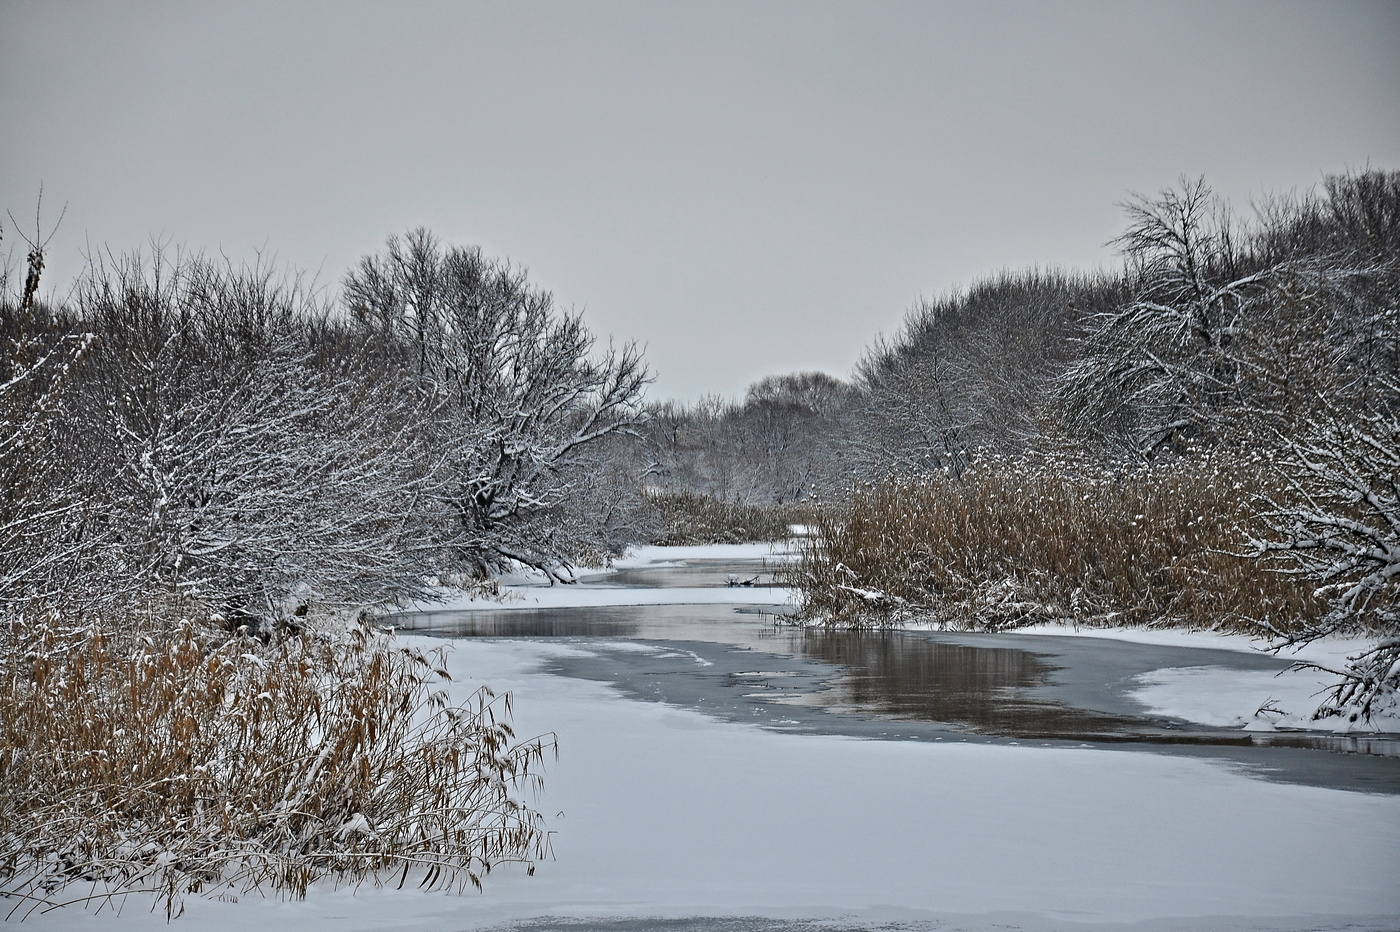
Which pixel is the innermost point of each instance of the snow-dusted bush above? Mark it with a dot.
(42, 548)
(222, 462)
(171, 763)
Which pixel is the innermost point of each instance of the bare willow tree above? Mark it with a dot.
(1173, 361)
(521, 400)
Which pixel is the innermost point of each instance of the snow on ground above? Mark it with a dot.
(1222, 697)
(662, 812)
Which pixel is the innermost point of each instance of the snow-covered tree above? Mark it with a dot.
(224, 466)
(1337, 523)
(1172, 362)
(521, 400)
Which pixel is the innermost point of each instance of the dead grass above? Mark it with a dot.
(1011, 543)
(695, 518)
(173, 763)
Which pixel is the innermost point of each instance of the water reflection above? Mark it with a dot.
(978, 688)
(525, 623)
(700, 574)
(887, 675)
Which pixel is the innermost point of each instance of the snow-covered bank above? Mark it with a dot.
(664, 812)
(533, 597)
(1207, 695)
(655, 555)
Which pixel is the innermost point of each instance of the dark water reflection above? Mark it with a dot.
(1017, 693)
(741, 663)
(702, 574)
(969, 683)
(979, 688)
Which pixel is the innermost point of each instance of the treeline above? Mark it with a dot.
(189, 432)
(1217, 330)
(1207, 436)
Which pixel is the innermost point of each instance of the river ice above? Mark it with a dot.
(665, 817)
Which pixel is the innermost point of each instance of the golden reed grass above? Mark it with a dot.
(171, 763)
(696, 518)
(1011, 543)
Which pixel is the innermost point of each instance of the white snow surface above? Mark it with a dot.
(664, 812)
(1221, 697)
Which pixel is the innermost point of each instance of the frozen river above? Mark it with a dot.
(742, 663)
(719, 771)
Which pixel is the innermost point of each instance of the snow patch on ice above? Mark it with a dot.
(1254, 700)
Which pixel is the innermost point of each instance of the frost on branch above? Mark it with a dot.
(521, 403)
(1338, 524)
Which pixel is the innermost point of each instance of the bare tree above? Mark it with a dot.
(521, 399)
(1174, 358)
(1337, 522)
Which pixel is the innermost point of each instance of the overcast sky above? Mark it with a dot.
(746, 189)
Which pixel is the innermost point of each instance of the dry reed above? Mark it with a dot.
(171, 764)
(1011, 543)
(696, 518)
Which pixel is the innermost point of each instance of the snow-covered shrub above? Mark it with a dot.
(171, 763)
(180, 433)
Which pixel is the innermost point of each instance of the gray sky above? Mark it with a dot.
(746, 188)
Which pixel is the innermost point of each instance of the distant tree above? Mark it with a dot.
(521, 401)
(971, 371)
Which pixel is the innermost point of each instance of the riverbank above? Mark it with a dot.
(1216, 696)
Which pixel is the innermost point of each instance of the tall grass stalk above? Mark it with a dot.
(171, 764)
(1010, 543)
(697, 518)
